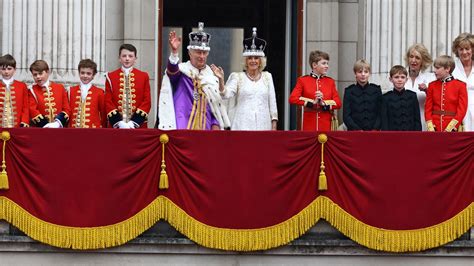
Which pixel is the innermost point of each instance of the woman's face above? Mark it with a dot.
(414, 60)
(465, 52)
(253, 63)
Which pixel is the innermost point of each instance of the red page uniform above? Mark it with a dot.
(88, 111)
(446, 104)
(315, 117)
(128, 98)
(48, 104)
(14, 106)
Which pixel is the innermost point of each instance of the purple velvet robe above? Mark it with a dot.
(183, 89)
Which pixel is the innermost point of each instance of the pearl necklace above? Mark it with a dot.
(256, 78)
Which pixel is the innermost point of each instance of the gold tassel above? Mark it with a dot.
(163, 175)
(3, 175)
(322, 182)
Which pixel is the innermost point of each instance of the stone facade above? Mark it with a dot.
(63, 32)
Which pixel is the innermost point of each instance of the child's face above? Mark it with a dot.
(321, 67)
(127, 58)
(441, 72)
(86, 74)
(40, 77)
(362, 76)
(398, 80)
(7, 72)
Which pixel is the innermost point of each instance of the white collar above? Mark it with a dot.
(127, 70)
(8, 82)
(45, 85)
(85, 86)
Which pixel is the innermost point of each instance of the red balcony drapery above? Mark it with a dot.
(85, 188)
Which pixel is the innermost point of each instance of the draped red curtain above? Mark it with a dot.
(83, 178)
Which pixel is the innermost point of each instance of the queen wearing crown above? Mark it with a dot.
(189, 95)
(251, 93)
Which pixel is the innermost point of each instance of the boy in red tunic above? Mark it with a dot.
(317, 95)
(13, 96)
(49, 105)
(87, 100)
(127, 97)
(446, 98)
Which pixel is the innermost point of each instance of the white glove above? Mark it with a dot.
(131, 124)
(54, 124)
(122, 124)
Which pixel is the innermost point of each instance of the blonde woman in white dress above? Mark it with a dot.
(463, 48)
(418, 60)
(251, 93)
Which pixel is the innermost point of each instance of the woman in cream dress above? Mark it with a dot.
(463, 47)
(418, 59)
(251, 93)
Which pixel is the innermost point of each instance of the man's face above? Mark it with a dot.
(198, 58)
(127, 58)
(40, 77)
(86, 74)
(7, 72)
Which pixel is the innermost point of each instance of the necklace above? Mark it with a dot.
(254, 78)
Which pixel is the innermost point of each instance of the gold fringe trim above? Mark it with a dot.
(237, 239)
(80, 237)
(240, 239)
(396, 240)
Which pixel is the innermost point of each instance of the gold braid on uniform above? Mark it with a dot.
(198, 117)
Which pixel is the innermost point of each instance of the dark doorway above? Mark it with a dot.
(268, 16)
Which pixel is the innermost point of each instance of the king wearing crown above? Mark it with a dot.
(189, 95)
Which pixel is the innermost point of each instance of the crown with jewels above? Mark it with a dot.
(254, 46)
(199, 40)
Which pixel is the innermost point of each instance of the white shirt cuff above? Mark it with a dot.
(174, 58)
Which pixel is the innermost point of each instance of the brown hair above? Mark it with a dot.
(87, 63)
(426, 59)
(361, 64)
(129, 47)
(463, 38)
(445, 61)
(8, 60)
(316, 56)
(398, 69)
(40, 66)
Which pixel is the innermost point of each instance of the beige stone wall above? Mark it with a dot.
(130, 21)
(336, 27)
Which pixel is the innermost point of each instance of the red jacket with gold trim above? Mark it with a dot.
(50, 107)
(89, 113)
(316, 117)
(127, 103)
(14, 104)
(446, 104)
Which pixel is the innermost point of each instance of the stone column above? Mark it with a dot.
(393, 26)
(140, 19)
(62, 32)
